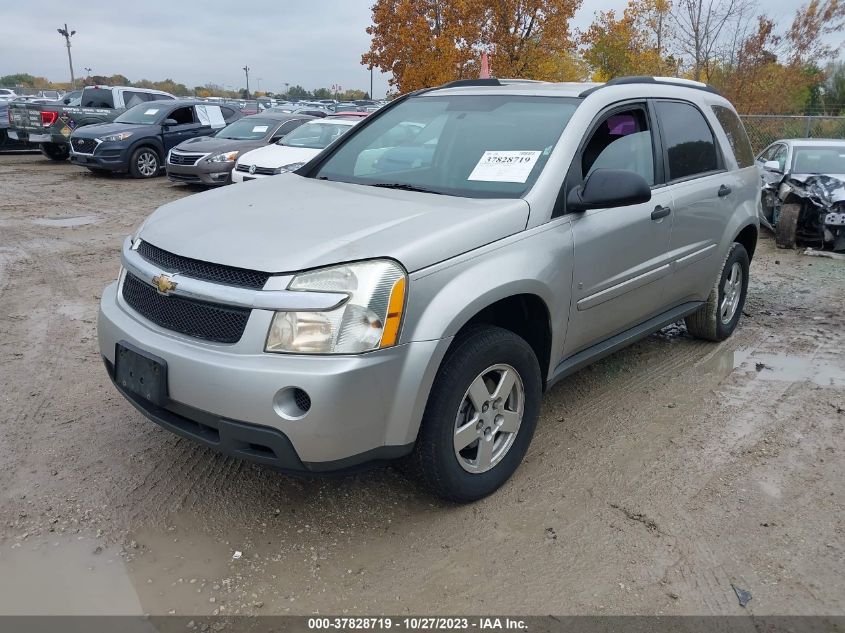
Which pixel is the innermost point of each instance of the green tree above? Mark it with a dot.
(298, 92)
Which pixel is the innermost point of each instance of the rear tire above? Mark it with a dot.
(465, 452)
(718, 317)
(787, 226)
(144, 163)
(55, 151)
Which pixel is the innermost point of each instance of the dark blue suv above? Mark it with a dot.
(138, 140)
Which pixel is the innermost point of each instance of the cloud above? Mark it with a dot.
(315, 44)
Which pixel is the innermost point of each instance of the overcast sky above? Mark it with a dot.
(314, 43)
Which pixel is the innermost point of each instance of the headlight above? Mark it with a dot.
(368, 320)
(228, 157)
(287, 168)
(115, 137)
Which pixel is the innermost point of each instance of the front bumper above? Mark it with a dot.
(363, 407)
(203, 173)
(243, 176)
(105, 156)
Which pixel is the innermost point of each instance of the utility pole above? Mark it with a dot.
(246, 70)
(67, 35)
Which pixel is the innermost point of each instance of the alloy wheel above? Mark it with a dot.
(731, 293)
(489, 418)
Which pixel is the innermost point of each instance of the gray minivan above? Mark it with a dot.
(412, 291)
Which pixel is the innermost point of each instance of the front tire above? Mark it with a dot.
(480, 416)
(787, 226)
(718, 317)
(144, 163)
(55, 151)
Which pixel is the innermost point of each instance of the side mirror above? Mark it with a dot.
(606, 188)
(772, 165)
(170, 122)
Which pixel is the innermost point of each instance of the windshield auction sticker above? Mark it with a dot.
(504, 166)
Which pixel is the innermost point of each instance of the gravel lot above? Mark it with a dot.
(657, 479)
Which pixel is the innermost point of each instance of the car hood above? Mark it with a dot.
(274, 155)
(288, 223)
(203, 144)
(824, 190)
(102, 129)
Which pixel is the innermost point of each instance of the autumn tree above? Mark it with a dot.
(429, 42)
(633, 44)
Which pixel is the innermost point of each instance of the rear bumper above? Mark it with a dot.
(29, 137)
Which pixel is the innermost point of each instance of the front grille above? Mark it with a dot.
(264, 171)
(184, 159)
(84, 145)
(222, 324)
(203, 270)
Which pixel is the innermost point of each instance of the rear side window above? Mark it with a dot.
(131, 99)
(736, 134)
(97, 98)
(689, 142)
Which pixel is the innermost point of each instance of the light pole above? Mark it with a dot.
(287, 89)
(87, 73)
(246, 70)
(67, 35)
(371, 82)
(258, 84)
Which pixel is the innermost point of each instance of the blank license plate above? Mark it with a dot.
(142, 374)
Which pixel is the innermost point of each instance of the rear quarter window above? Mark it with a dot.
(737, 136)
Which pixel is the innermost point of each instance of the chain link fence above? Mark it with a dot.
(764, 129)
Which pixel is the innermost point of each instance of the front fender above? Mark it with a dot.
(444, 297)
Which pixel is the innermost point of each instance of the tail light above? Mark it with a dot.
(48, 118)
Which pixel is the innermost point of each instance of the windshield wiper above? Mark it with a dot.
(404, 187)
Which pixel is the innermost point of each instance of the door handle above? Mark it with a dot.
(724, 190)
(660, 212)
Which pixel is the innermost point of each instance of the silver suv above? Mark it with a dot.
(412, 291)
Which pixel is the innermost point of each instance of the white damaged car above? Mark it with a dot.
(292, 151)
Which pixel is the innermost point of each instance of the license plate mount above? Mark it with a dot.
(141, 373)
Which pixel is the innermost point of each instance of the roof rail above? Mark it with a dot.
(461, 83)
(642, 79)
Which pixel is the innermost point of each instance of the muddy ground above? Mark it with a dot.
(657, 479)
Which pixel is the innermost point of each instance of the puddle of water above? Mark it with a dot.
(781, 367)
(65, 578)
(67, 222)
(797, 369)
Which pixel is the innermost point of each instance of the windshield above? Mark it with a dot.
(248, 129)
(818, 160)
(477, 146)
(316, 135)
(143, 114)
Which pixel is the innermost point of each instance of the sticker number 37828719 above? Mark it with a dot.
(504, 166)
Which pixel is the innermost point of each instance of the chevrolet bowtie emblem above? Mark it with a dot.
(164, 283)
